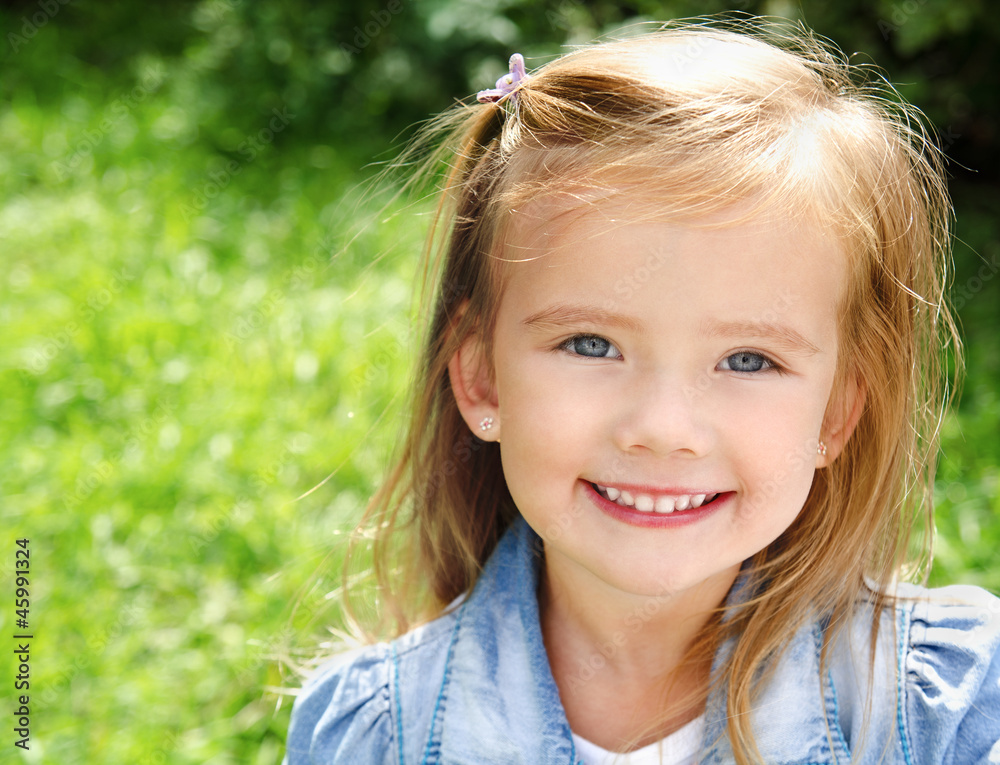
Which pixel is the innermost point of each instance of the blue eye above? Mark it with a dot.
(592, 346)
(746, 361)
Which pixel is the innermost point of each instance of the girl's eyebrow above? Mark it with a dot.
(561, 315)
(785, 337)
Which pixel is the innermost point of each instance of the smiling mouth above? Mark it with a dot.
(660, 503)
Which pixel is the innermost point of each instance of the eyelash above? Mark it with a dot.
(770, 365)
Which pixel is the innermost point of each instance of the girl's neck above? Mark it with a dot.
(622, 661)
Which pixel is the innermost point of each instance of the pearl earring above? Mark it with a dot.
(486, 423)
(821, 449)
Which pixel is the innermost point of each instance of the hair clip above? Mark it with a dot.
(506, 85)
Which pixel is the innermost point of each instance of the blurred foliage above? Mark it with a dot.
(183, 358)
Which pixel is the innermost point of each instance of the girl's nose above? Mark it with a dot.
(665, 415)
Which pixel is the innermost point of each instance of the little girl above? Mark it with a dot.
(676, 422)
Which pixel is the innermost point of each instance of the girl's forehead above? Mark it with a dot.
(739, 245)
(570, 219)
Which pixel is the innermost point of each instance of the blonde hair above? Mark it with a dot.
(698, 116)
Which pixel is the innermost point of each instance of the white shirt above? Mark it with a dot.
(679, 748)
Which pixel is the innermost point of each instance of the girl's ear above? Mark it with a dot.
(842, 417)
(475, 393)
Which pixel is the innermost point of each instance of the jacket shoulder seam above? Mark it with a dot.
(433, 742)
(903, 628)
(398, 702)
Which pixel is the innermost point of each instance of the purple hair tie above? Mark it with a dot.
(506, 85)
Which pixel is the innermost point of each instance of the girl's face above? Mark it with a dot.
(644, 366)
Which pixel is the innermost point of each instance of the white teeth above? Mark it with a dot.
(664, 504)
(646, 503)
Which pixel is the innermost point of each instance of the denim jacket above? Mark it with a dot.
(474, 687)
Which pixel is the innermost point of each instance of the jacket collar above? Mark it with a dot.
(500, 703)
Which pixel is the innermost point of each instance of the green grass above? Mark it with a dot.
(181, 362)
(172, 382)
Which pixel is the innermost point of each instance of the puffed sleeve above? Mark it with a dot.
(950, 706)
(343, 713)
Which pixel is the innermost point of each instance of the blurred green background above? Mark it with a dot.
(201, 319)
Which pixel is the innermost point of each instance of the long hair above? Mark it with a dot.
(693, 117)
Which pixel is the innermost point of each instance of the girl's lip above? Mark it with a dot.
(635, 517)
